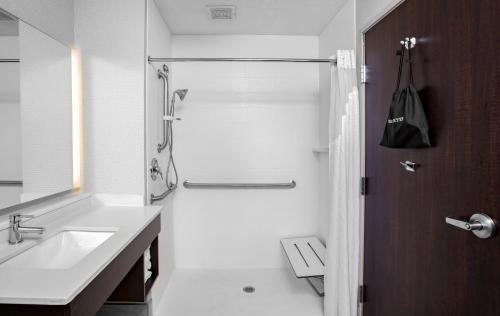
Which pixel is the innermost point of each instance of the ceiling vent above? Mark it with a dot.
(221, 12)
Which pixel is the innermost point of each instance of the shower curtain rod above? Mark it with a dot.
(286, 60)
(11, 60)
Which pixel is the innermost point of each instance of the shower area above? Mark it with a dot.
(241, 123)
(234, 155)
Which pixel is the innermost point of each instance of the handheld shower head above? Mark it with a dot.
(181, 93)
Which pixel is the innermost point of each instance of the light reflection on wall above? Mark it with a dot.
(77, 103)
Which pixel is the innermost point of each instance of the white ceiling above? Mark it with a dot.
(260, 17)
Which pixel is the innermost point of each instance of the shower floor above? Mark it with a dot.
(220, 293)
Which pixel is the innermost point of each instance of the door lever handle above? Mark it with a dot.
(463, 225)
(481, 225)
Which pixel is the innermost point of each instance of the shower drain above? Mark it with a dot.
(248, 289)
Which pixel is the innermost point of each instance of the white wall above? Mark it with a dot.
(47, 160)
(111, 36)
(158, 44)
(339, 34)
(245, 122)
(54, 17)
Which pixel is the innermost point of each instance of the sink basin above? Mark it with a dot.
(61, 251)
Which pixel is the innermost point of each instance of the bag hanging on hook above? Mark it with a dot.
(406, 125)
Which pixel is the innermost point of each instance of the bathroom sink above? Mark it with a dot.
(61, 251)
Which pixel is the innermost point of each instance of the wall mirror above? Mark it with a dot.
(36, 155)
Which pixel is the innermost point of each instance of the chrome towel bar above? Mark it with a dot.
(193, 185)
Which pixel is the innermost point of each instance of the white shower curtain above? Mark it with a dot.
(342, 268)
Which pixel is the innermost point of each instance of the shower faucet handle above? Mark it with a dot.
(155, 170)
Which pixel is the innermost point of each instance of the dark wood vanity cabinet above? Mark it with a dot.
(122, 280)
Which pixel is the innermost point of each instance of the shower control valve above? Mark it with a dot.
(155, 170)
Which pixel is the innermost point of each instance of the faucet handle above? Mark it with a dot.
(155, 170)
(16, 218)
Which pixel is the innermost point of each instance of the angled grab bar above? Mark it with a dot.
(154, 198)
(193, 185)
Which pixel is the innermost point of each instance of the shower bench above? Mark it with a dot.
(307, 259)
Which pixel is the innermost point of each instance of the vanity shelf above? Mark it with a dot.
(133, 288)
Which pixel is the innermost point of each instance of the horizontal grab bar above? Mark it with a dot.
(193, 185)
(10, 183)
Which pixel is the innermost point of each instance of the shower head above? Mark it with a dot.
(181, 93)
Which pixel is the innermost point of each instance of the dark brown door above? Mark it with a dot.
(415, 263)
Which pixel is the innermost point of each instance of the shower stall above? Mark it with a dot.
(241, 142)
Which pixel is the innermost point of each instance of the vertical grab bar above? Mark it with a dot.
(166, 98)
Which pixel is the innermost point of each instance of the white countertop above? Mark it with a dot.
(60, 286)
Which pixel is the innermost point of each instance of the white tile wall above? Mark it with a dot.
(111, 36)
(159, 43)
(245, 122)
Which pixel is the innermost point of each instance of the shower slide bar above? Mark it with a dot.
(193, 185)
(286, 60)
(13, 183)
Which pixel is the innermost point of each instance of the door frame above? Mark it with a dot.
(360, 56)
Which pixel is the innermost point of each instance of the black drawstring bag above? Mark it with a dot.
(406, 125)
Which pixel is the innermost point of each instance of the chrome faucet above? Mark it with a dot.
(16, 230)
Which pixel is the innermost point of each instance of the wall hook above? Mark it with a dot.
(409, 42)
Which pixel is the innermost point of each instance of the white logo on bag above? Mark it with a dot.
(396, 120)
